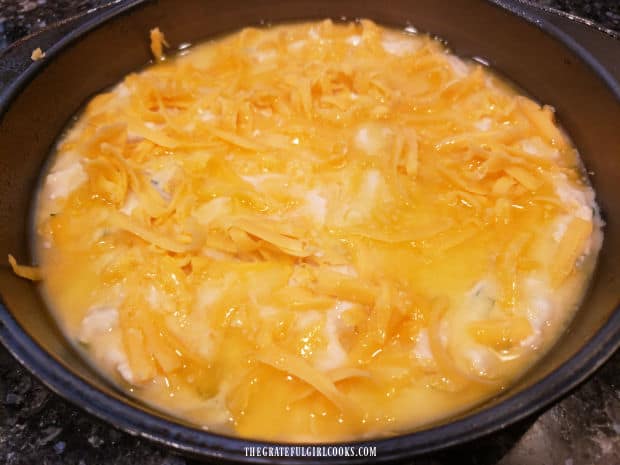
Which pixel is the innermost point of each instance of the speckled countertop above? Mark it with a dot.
(37, 427)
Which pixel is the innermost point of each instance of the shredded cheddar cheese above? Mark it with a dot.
(37, 54)
(28, 272)
(314, 232)
(158, 41)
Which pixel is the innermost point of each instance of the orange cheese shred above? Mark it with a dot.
(32, 273)
(158, 41)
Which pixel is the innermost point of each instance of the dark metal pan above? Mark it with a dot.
(565, 63)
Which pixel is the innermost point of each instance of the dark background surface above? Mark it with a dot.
(37, 427)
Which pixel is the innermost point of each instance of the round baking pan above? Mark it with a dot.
(563, 63)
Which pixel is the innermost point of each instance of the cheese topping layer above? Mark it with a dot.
(315, 232)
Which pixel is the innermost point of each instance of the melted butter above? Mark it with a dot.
(315, 232)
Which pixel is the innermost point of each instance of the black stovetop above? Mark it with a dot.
(38, 427)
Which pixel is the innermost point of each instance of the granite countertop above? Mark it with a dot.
(38, 427)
